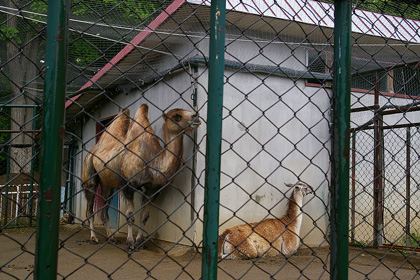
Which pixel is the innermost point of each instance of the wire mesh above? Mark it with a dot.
(276, 130)
(384, 121)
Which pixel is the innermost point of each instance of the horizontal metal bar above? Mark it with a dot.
(388, 126)
(401, 110)
(362, 109)
(18, 131)
(20, 105)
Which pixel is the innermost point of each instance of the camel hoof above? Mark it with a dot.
(135, 247)
(141, 244)
(113, 240)
(94, 241)
(130, 245)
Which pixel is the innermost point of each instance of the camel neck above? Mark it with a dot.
(171, 157)
(294, 208)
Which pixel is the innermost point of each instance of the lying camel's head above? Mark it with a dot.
(302, 188)
(178, 120)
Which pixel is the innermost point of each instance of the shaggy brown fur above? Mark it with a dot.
(269, 237)
(129, 155)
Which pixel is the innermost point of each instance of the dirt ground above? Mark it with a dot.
(80, 260)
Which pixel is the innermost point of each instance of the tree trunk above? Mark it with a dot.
(22, 59)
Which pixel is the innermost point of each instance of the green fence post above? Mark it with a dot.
(341, 141)
(214, 138)
(46, 250)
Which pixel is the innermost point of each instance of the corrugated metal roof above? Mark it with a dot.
(322, 14)
(309, 12)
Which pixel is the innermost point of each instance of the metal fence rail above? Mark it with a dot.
(193, 139)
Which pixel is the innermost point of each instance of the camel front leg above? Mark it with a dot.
(130, 221)
(146, 204)
(106, 193)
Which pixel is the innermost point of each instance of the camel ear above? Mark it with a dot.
(289, 185)
(164, 116)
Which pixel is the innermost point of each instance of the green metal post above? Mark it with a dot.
(214, 138)
(46, 250)
(341, 141)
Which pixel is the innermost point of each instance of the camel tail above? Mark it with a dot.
(89, 176)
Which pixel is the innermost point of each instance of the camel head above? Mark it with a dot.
(179, 120)
(301, 188)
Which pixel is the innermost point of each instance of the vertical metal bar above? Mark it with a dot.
(46, 250)
(353, 187)
(214, 138)
(378, 172)
(340, 172)
(31, 190)
(194, 76)
(73, 147)
(407, 188)
(376, 167)
(381, 181)
(6, 202)
(67, 185)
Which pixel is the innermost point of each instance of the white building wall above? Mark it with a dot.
(293, 130)
(295, 148)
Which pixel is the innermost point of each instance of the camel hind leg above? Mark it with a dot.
(128, 192)
(90, 193)
(237, 244)
(90, 184)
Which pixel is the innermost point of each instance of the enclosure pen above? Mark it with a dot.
(180, 139)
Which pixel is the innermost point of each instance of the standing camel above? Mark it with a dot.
(129, 155)
(269, 237)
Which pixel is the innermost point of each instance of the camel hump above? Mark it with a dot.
(141, 120)
(118, 127)
(142, 115)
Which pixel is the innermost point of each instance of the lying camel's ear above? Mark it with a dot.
(289, 185)
(164, 116)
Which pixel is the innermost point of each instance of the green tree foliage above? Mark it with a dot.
(405, 8)
(88, 50)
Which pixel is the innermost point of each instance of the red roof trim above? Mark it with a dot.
(296, 14)
(128, 48)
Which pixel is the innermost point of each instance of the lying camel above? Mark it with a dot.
(269, 237)
(129, 156)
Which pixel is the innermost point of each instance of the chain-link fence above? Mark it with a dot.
(19, 165)
(134, 182)
(384, 205)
